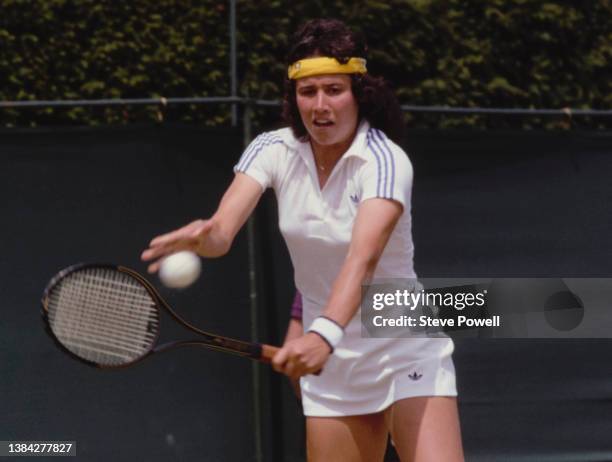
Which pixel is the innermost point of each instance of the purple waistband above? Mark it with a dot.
(296, 307)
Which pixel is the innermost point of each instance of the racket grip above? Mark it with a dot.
(267, 353)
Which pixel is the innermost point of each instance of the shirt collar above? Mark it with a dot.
(360, 142)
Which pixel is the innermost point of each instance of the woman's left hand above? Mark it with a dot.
(304, 355)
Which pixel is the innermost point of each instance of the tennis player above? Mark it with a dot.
(343, 188)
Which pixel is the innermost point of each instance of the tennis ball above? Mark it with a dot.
(180, 269)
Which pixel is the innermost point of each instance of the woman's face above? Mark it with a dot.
(328, 108)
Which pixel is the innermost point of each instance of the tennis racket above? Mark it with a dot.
(109, 316)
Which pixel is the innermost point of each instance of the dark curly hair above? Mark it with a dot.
(330, 37)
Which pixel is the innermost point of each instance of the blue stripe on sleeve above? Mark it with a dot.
(382, 137)
(263, 140)
(383, 154)
(371, 147)
(251, 149)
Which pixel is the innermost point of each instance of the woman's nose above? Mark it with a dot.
(321, 102)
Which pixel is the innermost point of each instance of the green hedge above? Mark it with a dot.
(494, 53)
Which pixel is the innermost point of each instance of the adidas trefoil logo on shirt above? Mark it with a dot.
(415, 376)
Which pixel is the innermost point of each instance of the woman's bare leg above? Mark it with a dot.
(426, 429)
(360, 438)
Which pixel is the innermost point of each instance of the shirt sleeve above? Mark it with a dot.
(259, 159)
(388, 172)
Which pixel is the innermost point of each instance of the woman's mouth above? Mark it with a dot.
(322, 123)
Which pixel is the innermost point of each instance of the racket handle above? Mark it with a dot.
(267, 353)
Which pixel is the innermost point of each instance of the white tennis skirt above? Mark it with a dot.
(367, 375)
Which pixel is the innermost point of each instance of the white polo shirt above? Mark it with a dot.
(317, 225)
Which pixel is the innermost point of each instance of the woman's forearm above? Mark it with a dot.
(217, 243)
(346, 291)
(374, 224)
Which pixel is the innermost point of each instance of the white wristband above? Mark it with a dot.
(329, 330)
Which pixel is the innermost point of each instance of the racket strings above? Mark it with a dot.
(103, 315)
(86, 330)
(103, 297)
(93, 324)
(123, 322)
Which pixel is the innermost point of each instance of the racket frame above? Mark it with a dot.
(255, 351)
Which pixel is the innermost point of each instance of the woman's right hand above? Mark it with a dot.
(212, 237)
(196, 237)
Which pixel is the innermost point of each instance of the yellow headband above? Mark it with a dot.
(324, 65)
